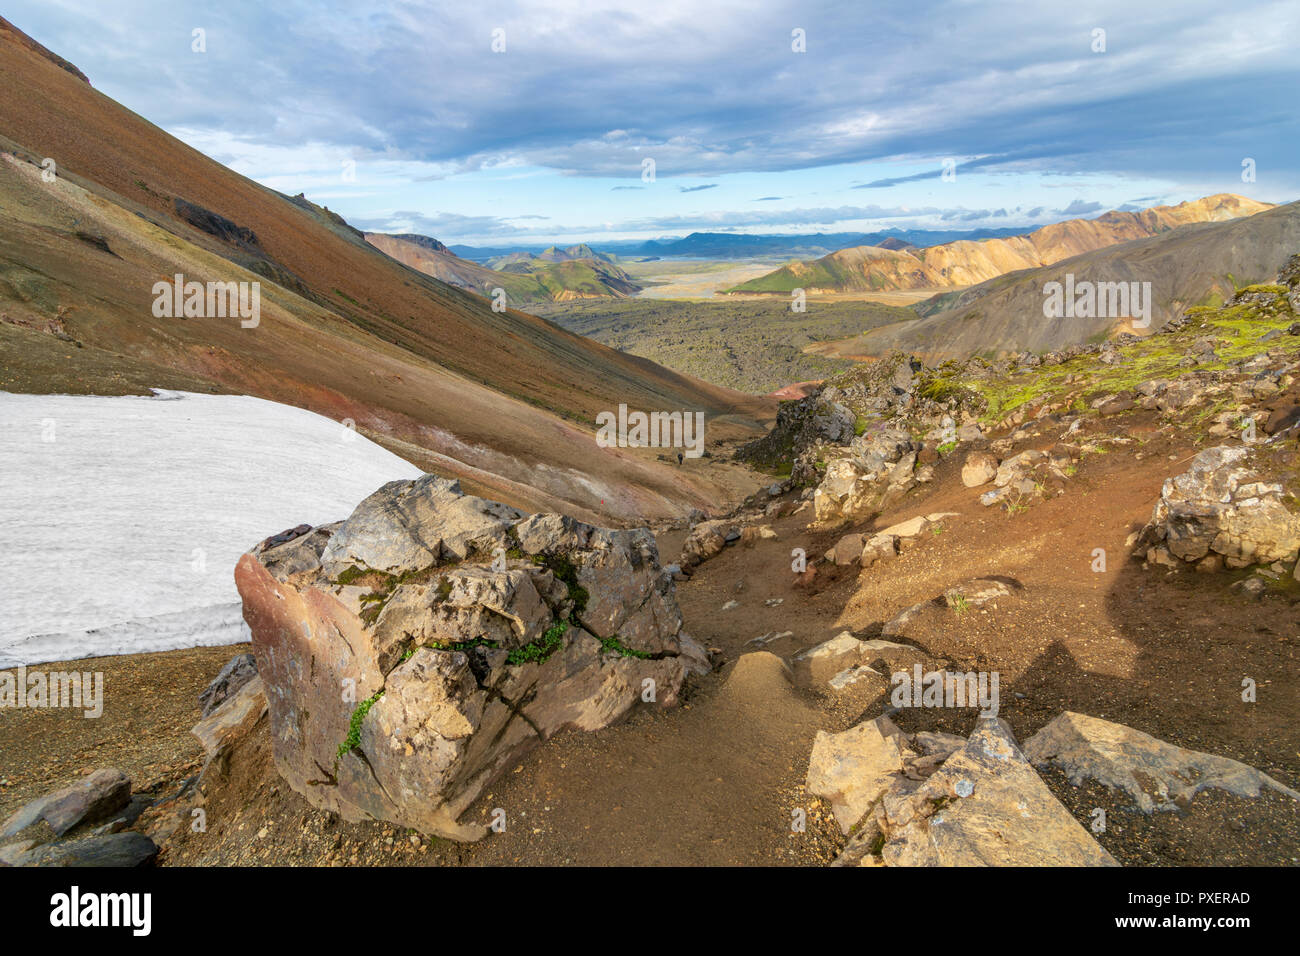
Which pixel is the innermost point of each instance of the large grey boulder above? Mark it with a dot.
(848, 490)
(414, 651)
(1154, 775)
(1221, 505)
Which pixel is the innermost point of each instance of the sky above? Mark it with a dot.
(577, 120)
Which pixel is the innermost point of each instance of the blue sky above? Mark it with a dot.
(402, 117)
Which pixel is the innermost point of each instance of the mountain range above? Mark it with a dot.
(553, 276)
(736, 245)
(551, 254)
(965, 262)
(1195, 264)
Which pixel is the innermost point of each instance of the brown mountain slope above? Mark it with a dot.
(966, 262)
(434, 259)
(507, 400)
(1191, 265)
(553, 276)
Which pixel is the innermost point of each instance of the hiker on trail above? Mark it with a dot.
(680, 459)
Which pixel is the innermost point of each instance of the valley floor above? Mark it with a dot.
(717, 780)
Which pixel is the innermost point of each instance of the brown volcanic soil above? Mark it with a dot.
(716, 781)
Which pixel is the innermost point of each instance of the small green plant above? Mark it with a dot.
(947, 447)
(542, 648)
(616, 646)
(353, 739)
(959, 604)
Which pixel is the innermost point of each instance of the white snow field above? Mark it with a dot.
(121, 518)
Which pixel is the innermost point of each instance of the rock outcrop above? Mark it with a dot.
(1222, 506)
(414, 651)
(980, 804)
(1154, 775)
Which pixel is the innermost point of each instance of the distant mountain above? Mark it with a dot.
(1199, 263)
(877, 268)
(733, 245)
(726, 245)
(434, 259)
(895, 244)
(527, 280)
(551, 254)
(568, 279)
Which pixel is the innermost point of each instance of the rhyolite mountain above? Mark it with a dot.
(1195, 264)
(551, 254)
(504, 401)
(551, 276)
(965, 262)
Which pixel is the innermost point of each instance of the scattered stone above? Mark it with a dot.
(1154, 774)
(239, 670)
(771, 637)
(984, 806)
(817, 665)
(850, 770)
(232, 721)
(706, 540)
(847, 491)
(900, 621)
(853, 675)
(980, 468)
(907, 529)
(1252, 587)
(976, 592)
(879, 547)
(125, 849)
(694, 655)
(89, 800)
(848, 550)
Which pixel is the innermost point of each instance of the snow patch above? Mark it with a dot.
(121, 518)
